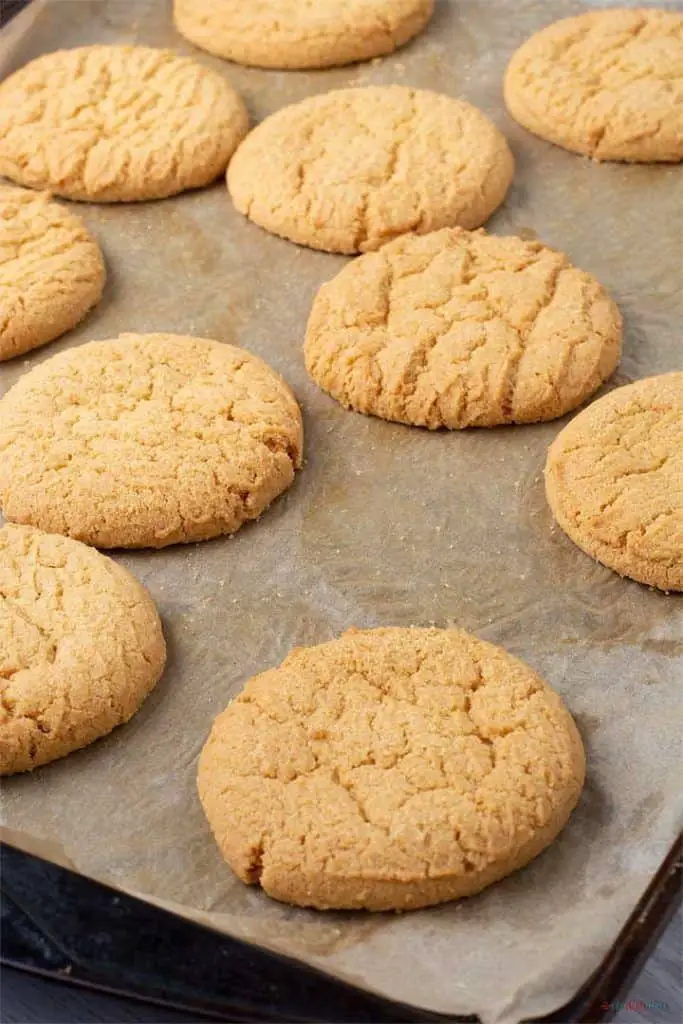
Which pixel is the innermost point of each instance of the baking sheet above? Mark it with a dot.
(385, 525)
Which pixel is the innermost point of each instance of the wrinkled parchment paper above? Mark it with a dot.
(385, 525)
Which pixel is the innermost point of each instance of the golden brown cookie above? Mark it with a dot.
(614, 480)
(389, 769)
(117, 123)
(147, 440)
(351, 169)
(51, 270)
(296, 34)
(81, 646)
(608, 84)
(458, 329)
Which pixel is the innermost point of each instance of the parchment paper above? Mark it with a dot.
(385, 525)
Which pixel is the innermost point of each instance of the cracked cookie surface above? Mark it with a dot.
(608, 84)
(117, 123)
(291, 34)
(147, 440)
(457, 329)
(614, 480)
(352, 169)
(389, 769)
(81, 646)
(51, 271)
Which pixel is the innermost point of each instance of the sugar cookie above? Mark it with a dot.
(81, 647)
(351, 169)
(614, 480)
(389, 769)
(292, 34)
(117, 123)
(51, 270)
(147, 440)
(608, 84)
(457, 329)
